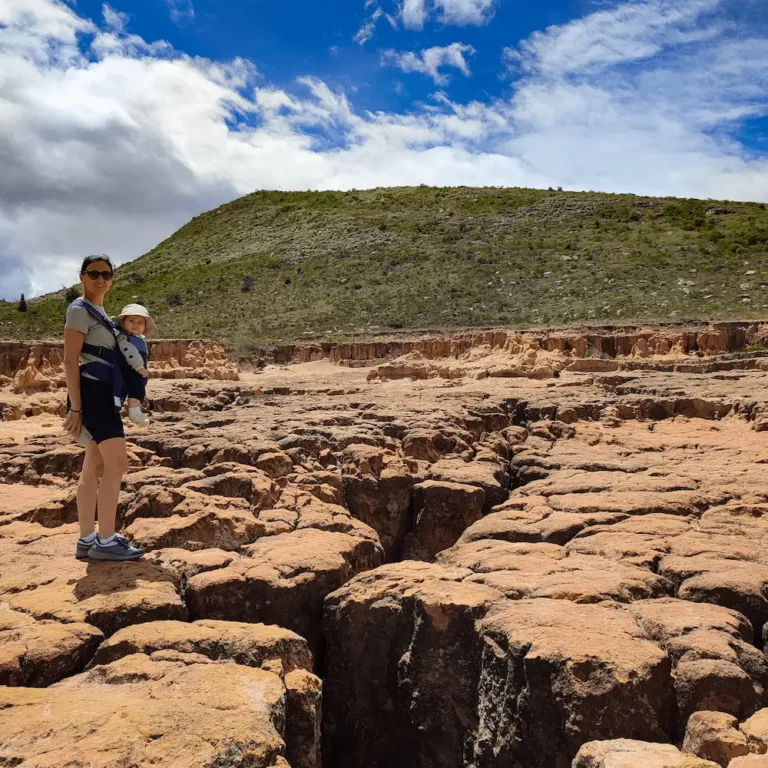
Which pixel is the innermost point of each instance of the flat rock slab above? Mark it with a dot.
(716, 665)
(555, 675)
(642, 541)
(25, 499)
(565, 482)
(283, 580)
(42, 578)
(632, 503)
(209, 528)
(252, 645)
(749, 761)
(534, 520)
(162, 710)
(37, 653)
(490, 476)
(546, 570)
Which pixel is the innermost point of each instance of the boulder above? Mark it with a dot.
(275, 464)
(630, 753)
(715, 736)
(384, 503)
(256, 487)
(756, 730)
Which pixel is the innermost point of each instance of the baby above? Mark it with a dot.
(135, 322)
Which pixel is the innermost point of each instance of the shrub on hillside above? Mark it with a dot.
(22, 304)
(71, 293)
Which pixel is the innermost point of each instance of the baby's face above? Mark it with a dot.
(134, 324)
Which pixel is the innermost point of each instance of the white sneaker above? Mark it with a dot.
(137, 416)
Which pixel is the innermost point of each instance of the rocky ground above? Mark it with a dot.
(497, 557)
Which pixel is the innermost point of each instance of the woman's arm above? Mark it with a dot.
(73, 344)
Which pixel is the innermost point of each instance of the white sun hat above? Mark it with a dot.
(141, 311)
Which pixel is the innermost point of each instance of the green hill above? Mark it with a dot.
(285, 264)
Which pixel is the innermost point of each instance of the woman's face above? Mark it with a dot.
(96, 284)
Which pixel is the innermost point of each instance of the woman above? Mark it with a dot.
(93, 414)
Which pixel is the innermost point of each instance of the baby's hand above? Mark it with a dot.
(144, 373)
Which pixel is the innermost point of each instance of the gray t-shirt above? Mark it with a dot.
(95, 333)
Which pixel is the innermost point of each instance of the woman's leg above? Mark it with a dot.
(87, 488)
(115, 457)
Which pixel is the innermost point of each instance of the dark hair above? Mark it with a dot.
(96, 257)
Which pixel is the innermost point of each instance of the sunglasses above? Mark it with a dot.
(94, 274)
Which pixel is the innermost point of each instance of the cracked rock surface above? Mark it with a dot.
(347, 570)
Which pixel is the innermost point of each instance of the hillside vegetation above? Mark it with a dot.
(275, 265)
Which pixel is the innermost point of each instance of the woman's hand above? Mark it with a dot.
(73, 423)
(144, 373)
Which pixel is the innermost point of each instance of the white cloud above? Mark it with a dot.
(430, 60)
(182, 11)
(114, 21)
(368, 27)
(366, 31)
(463, 12)
(110, 142)
(415, 13)
(631, 31)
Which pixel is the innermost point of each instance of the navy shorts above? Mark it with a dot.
(99, 415)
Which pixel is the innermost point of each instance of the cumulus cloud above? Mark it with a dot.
(430, 60)
(415, 13)
(111, 142)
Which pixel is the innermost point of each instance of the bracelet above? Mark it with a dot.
(74, 410)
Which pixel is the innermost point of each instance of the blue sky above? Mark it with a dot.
(291, 38)
(120, 121)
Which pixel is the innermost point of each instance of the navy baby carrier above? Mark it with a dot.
(107, 367)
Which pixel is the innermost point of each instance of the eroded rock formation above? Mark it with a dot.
(459, 571)
(39, 367)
